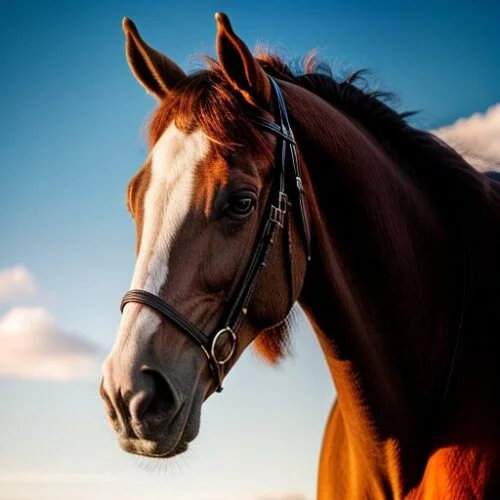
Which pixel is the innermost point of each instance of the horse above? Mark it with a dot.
(265, 187)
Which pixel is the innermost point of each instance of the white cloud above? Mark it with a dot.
(33, 346)
(16, 283)
(476, 138)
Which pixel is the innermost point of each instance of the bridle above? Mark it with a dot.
(276, 209)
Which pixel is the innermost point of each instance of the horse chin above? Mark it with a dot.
(172, 441)
(153, 449)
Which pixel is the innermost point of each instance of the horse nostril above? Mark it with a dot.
(139, 403)
(153, 406)
(164, 399)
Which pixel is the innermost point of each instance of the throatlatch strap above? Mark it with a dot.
(288, 144)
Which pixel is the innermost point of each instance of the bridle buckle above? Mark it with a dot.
(278, 213)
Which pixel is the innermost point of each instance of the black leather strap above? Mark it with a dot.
(153, 301)
(284, 130)
(167, 311)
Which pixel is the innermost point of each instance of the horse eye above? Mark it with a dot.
(240, 208)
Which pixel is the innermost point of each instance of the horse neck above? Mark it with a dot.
(381, 289)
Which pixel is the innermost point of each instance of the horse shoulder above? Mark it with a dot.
(345, 471)
(459, 473)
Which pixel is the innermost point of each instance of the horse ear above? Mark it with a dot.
(239, 66)
(154, 71)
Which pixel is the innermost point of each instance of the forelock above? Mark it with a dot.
(206, 101)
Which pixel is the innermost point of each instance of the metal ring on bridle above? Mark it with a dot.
(218, 335)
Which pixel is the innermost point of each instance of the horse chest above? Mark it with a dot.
(451, 473)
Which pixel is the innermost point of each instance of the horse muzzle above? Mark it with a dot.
(146, 412)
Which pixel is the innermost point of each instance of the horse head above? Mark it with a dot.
(208, 203)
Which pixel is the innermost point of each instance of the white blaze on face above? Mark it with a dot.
(167, 201)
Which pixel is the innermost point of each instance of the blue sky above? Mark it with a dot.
(72, 136)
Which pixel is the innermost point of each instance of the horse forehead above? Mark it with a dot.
(174, 163)
(175, 153)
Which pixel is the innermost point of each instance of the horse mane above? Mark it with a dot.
(352, 96)
(197, 101)
(371, 108)
(455, 188)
